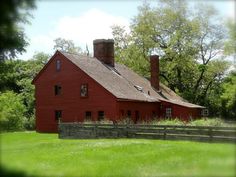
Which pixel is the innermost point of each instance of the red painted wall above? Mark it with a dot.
(146, 110)
(73, 107)
(184, 113)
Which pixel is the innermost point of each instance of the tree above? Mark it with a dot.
(17, 76)
(12, 112)
(12, 37)
(26, 71)
(188, 41)
(8, 76)
(128, 53)
(230, 44)
(228, 98)
(209, 42)
(66, 46)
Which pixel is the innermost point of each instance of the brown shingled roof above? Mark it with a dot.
(123, 83)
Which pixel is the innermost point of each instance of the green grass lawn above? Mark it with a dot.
(34, 154)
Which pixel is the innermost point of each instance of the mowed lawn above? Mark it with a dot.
(35, 154)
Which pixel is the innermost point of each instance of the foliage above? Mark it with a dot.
(8, 76)
(12, 112)
(170, 122)
(228, 97)
(113, 157)
(26, 71)
(30, 123)
(17, 76)
(189, 42)
(209, 122)
(12, 37)
(230, 44)
(68, 46)
(162, 121)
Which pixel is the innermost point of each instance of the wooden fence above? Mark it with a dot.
(165, 132)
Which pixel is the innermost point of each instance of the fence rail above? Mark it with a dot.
(166, 132)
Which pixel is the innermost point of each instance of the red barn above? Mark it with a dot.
(75, 88)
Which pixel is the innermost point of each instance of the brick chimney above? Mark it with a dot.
(154, 62)
(103, 50)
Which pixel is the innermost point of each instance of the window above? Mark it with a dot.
(168, 112)
(84, 90)
(100, 115)
(58, 65)
(57, 90)
(128, 113)
(58, 115)
(88, 115)
(204, 112)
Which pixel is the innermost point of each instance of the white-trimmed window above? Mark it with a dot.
(168, 112)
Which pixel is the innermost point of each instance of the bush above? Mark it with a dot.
(170, 122)
(176, 121)
(29, 123)
(12, 112)
(208, 122)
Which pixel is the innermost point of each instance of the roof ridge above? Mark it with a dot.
(77, 54)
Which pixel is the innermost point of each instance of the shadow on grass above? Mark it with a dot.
(4, 172)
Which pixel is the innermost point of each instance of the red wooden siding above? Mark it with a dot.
(184, 113)
(146, 110)
(73, 106)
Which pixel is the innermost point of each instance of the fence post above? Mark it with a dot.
(95, 129)
(127, 131)
(164, 133)
(210, 134)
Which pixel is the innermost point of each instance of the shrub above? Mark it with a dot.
(170, 122)
(208, 122)
(12, 112)
(125, 121)
(162, 121)
(29, 123)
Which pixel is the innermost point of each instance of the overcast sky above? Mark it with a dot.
(83, 21)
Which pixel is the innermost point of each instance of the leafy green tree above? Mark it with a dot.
(66, 46)
(228, 97)
(17, 76)
(128, 53)
(12, 112)
(12, 37)
(230, 44)
(8, 76)
(209, 42)
(189, 42)
(26, 71)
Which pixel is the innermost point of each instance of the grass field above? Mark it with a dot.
(34, 154)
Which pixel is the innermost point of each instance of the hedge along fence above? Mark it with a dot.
(165, 132)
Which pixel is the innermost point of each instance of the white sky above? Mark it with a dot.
(84, 21)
